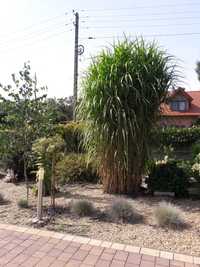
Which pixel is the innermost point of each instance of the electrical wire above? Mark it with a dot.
(33, 34)
(145, 19)
(41, 22)
(143, 14)
(23, 35)
(36, 41)
(141, 26)
(140, 7)
(146, 35)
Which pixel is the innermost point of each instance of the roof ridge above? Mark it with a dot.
(196, 91)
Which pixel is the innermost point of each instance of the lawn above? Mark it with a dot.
(144, 233)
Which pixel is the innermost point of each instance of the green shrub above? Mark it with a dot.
(82, 208)
(168, 177)
(74, 168)
(196, 123)
(169, 215)
(196, 162)
(196, 171)
(186, 165)
(168, 152)
(22, 203)
(195, 150)
(72, 133)
(122, 211)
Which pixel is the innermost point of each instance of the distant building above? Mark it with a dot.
(181, 109)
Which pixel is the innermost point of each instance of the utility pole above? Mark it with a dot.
(76, 24)
(78, 51)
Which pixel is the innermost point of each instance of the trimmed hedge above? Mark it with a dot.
(176, 136)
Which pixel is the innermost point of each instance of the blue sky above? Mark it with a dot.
(36, 30)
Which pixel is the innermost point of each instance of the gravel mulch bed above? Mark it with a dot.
(145, 233)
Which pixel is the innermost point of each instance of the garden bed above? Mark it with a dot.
(145, 233)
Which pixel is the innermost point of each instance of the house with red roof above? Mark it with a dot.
(181, 109)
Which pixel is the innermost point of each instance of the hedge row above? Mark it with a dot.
(72, 133)
(176, 136)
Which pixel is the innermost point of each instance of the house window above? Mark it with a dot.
(178, 105)
(174, 105)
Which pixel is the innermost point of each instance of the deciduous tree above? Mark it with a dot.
(198, 70)
(25, 118)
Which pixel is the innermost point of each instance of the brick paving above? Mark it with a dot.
(28, 247)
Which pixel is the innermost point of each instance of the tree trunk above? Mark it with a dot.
(130, 185)
(117, 180)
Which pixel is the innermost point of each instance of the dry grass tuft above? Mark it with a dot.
(82, 208)
(122, 211)
(22, 203)
(166, 214)
(2, 198)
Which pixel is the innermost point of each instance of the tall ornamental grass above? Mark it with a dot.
(120, 103)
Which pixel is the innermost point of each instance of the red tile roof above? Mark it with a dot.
(194, 109)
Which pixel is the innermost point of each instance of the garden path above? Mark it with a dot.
(28, 247)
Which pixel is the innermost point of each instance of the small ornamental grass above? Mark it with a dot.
(22, 203)
(166, 214)
(122, 211)
(82, 208)
(2, 199)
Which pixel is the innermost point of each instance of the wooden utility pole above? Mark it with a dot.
(76, 52)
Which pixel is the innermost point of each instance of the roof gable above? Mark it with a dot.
(180, 92)
(194, 109)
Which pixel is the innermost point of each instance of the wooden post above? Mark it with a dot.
(53, 183)
(40, 176)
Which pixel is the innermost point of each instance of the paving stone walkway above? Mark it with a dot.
(29, 247)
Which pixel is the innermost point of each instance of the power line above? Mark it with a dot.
(30, 39)
(140, 7)
(29, 35)
(141, 26)
(146, 19)
(146, 35)
(142, 14)
(36, 41)
(41, 22)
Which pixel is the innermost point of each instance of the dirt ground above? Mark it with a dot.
(145, 233)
